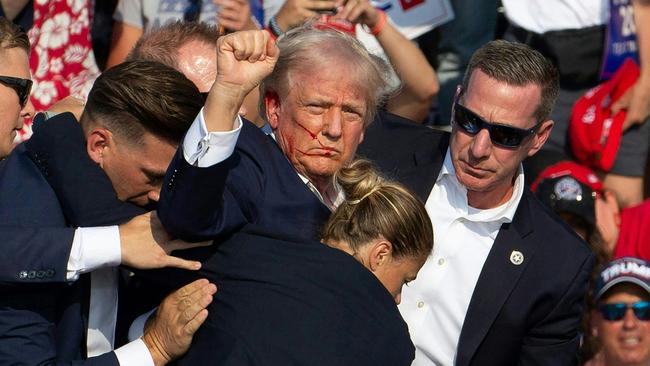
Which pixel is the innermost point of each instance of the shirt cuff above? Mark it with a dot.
(92, 248)
(134, 353)
(136, 330)
(204, 149)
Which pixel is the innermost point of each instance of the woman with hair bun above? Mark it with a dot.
(381, 225)
(285, 301)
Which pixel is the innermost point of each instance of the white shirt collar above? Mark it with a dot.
(503, 213)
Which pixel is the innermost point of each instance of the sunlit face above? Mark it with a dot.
(137, 172)
(13, 62)
(482, 167)
(198, 62)
(626, 341)
(396, 273)
(320, 122)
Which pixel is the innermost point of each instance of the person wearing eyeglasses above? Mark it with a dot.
(621, 320)
(15, 84)
(506, 280)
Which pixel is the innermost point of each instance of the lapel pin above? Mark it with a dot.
(516, 257)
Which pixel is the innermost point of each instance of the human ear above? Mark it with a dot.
(97, 141)
(272, 106)
(380, 254)
(541, 136)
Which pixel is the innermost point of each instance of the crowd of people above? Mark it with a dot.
(245, 183)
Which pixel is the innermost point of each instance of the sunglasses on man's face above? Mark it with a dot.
(22, 87)
(501, 135)
(616, 311)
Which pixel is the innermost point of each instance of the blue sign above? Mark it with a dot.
(621, 40)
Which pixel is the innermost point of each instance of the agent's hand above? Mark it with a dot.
(235, 15)
(69, 104)
(169, 334)
(295, 12)
(145, 245)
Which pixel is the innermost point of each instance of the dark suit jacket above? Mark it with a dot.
(287, 301)
(47, 322)
(256, 184)
(527, 314)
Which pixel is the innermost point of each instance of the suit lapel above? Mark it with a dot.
(498, 278)
(421, 175)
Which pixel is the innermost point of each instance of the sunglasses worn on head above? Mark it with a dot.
(21, 86)
(616, 311)
(501, 135)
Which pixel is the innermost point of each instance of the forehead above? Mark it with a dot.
(626, 292)
(329, 86)
(153, 153)
(198, 62)
(14, 62)
(500, 102)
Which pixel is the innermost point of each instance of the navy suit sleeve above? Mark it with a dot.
(555, 341)
(205, 203)
(27, 331)
(34, 255)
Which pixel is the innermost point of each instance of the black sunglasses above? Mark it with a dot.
(22, 87)
(616, 311)
(501, 135)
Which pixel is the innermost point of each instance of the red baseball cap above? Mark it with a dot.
(569, 187)
(595, 134)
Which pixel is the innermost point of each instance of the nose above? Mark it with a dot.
(481, 145)
(28, 110)
(629, 321)
(154, 195)
(332, 127)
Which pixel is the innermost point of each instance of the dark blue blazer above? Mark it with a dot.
(256, 184)
(43, 322)
(288, 301)
(518, 315)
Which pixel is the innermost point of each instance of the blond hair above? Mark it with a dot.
(378, 208)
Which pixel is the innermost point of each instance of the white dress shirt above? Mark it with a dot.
(435, 304)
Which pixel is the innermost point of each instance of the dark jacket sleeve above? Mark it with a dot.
(204, 203)
(34, 255)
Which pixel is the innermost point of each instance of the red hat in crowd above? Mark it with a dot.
(595, 134)
(569, 187)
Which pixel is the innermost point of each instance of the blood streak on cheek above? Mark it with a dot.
(328, 150)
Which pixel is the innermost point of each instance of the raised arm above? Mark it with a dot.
(419, 81)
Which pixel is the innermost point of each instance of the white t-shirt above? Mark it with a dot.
(541, 16)
(147, 14)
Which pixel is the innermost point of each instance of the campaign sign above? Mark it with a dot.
(621, 40)
(411, 17)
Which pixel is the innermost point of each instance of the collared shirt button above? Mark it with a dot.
(420, 304)
(441, 261)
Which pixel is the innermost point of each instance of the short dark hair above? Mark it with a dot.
(12, 36)
(162, 44)
(135, 97)
(519, 65)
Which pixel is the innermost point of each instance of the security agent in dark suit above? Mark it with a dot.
(506, 281)
(37, 254)
(48, 323)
